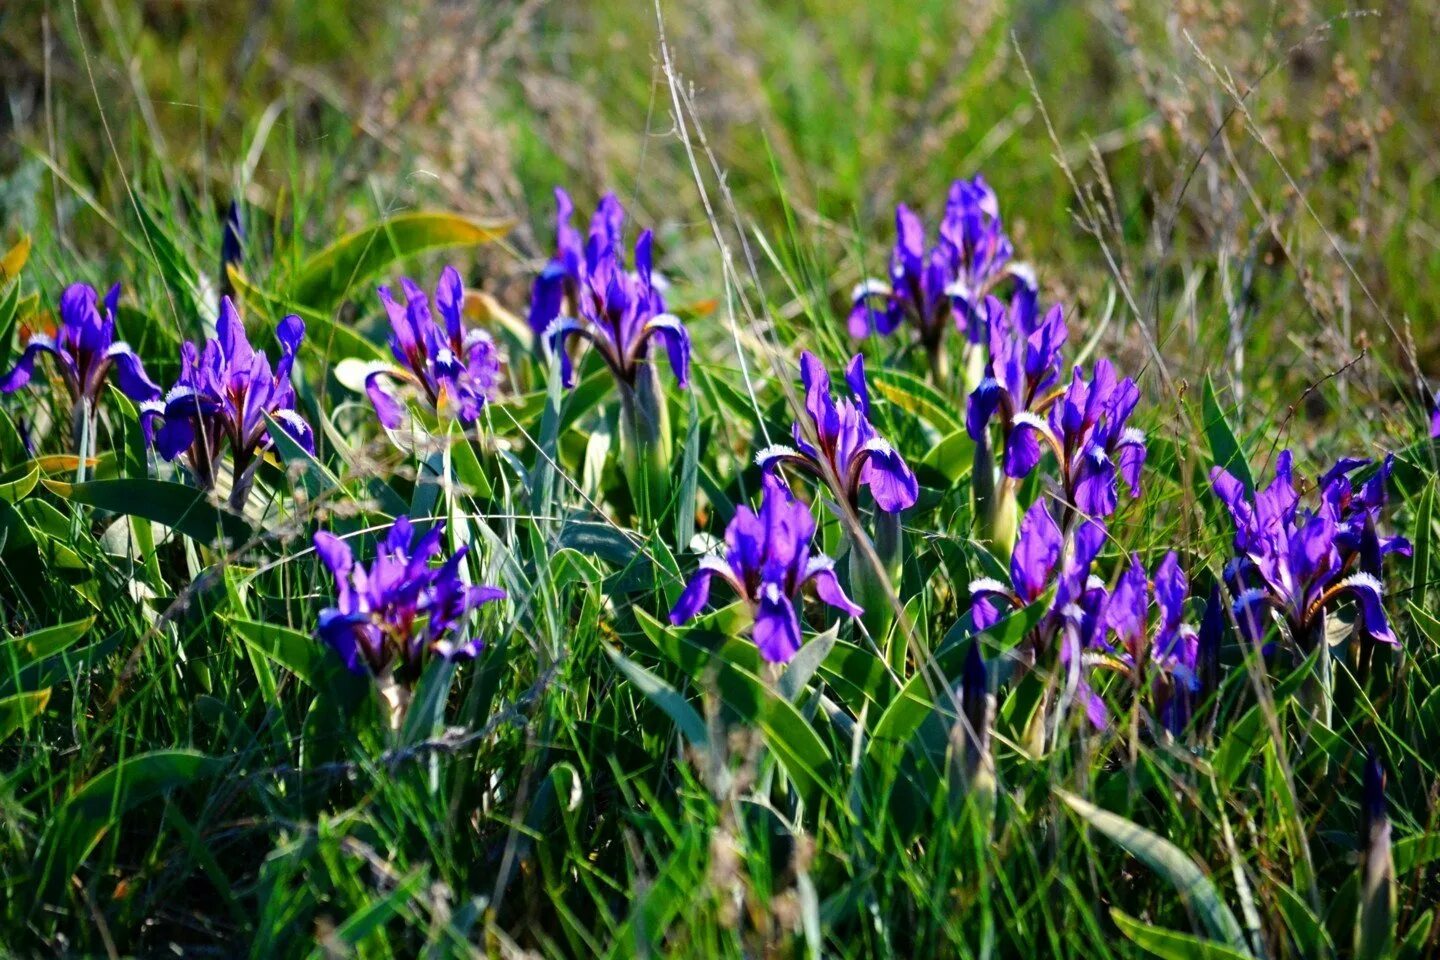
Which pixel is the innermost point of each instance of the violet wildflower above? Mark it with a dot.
(1046, 556)
(620, 312)
(1165, 658)
(1020, 378)
(1088, 430)
(767, 562)
(847, 445)
(84, 351)
(1291, 568)
(390, 616)
(849, 454)
(1435, 416)
(454, 369)
(225, 396)
(943, 286)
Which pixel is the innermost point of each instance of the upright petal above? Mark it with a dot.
(450, 301)
(1037, 552)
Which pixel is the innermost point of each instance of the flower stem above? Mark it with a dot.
(645, 443)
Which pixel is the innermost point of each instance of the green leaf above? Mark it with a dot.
(796, 744)
(1225, 449)
(666, 697)
(314, 477)
(15, 710)
(909, 392)
(1172, 863)
(42, 644)
(1423, 538)
(325, 278)
(1170, 944)
(297, 652)
(13, 491)
(101, 802)
(369, 920)
(913, 703)
(174, 505)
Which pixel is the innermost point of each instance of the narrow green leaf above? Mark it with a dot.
(1170, 862)
(13, 491)
(1225, 449)
(15, 710)
(1170, 944)
(41, 644)
(325, 278)
(666, 697)
(101, 802)
(178, 507)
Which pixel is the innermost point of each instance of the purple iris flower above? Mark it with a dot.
(591, 293)
(1044, 556)
(452, 367)
(1024, 367)
(1088, 430)
(1294, 564)
(847, 442)
(390, 615)
(85, 351)
(767, 562)
(1172, 652)
(947, 283)
(224, 395)
(1435, 416)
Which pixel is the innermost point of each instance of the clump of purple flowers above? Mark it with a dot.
(451, 367)
(846, 442)
(1047, 557)
(389, 616)
(85, 352)
(1171, 659)
(1293, 565)
(945, 284)
(227, 395)
(767, 562)
(1088, 430)
(592, 294)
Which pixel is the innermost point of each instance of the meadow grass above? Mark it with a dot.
(1235, 203)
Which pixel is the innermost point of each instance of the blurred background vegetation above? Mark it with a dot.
(1237, 173)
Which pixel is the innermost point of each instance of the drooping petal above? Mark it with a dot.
(821, 572)
(1022, 447)
(777, 626)
(891, 481)
(296, 427)
(130, 373)
(339, 631)
(388, 408)
(1037, 552)
(20, 374)
(696, 593)
(981, 405)
(676, 338)
(1369, 596)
